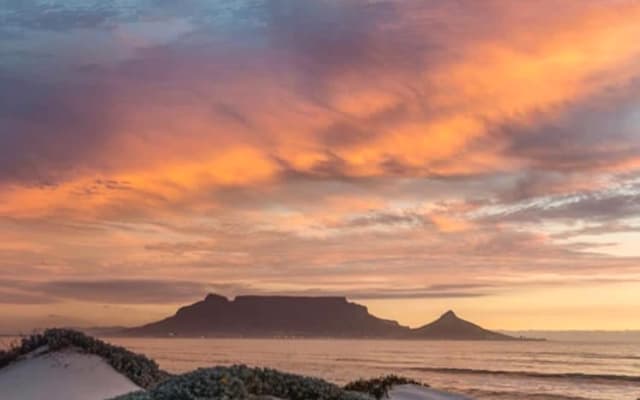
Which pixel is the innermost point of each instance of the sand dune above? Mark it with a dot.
(63, 375)
(415, 392)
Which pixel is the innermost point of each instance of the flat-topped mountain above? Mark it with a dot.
(450, 327)
(277, 316)
(268, 316)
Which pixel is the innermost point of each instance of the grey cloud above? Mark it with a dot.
(461, 286)
(594, 134)
(345, 133)
(181, 248)
(535, 183)
(62, 15)
(49, 131)
(113, 291)
(606, 205)
(234, 114)
(23, 298)
(599, 229)
(386, 218)
(102, 185)
(125, 291)
(380, 295)
(133, 291)
(348, 131)
(324, 36)
(331, 168)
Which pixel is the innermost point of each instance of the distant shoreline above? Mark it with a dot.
(411, 339)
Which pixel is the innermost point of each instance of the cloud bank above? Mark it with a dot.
(378, 149)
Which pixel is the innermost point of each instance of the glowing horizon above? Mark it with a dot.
(413, 156)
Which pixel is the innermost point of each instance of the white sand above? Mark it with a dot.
(64, 375)
(415, 392)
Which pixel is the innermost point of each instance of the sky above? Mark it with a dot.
(413, 155)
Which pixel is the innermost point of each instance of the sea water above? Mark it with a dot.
(603, 370)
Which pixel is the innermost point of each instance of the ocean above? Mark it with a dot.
(551, 370)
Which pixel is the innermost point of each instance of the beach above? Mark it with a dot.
(67, 365)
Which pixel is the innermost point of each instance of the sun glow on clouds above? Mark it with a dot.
(387, 150)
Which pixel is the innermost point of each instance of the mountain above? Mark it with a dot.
(278, 316)
(450, 327)
(269, 316)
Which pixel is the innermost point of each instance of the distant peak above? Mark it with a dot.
(449, 314)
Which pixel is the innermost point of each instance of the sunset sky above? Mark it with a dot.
(412, 155)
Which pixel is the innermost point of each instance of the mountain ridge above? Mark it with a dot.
(301, 316)
(269, 316)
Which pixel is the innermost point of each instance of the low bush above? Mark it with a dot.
(240, 382)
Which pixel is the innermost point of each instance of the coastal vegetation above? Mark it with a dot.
(240, 382)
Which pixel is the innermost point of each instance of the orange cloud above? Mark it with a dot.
(519, 71)
(286, 157)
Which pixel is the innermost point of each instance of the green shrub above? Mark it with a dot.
(240, 382)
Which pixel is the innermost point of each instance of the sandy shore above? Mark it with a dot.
(70, 375)
(63, 375)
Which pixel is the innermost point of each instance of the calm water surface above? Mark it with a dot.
(484, 370)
